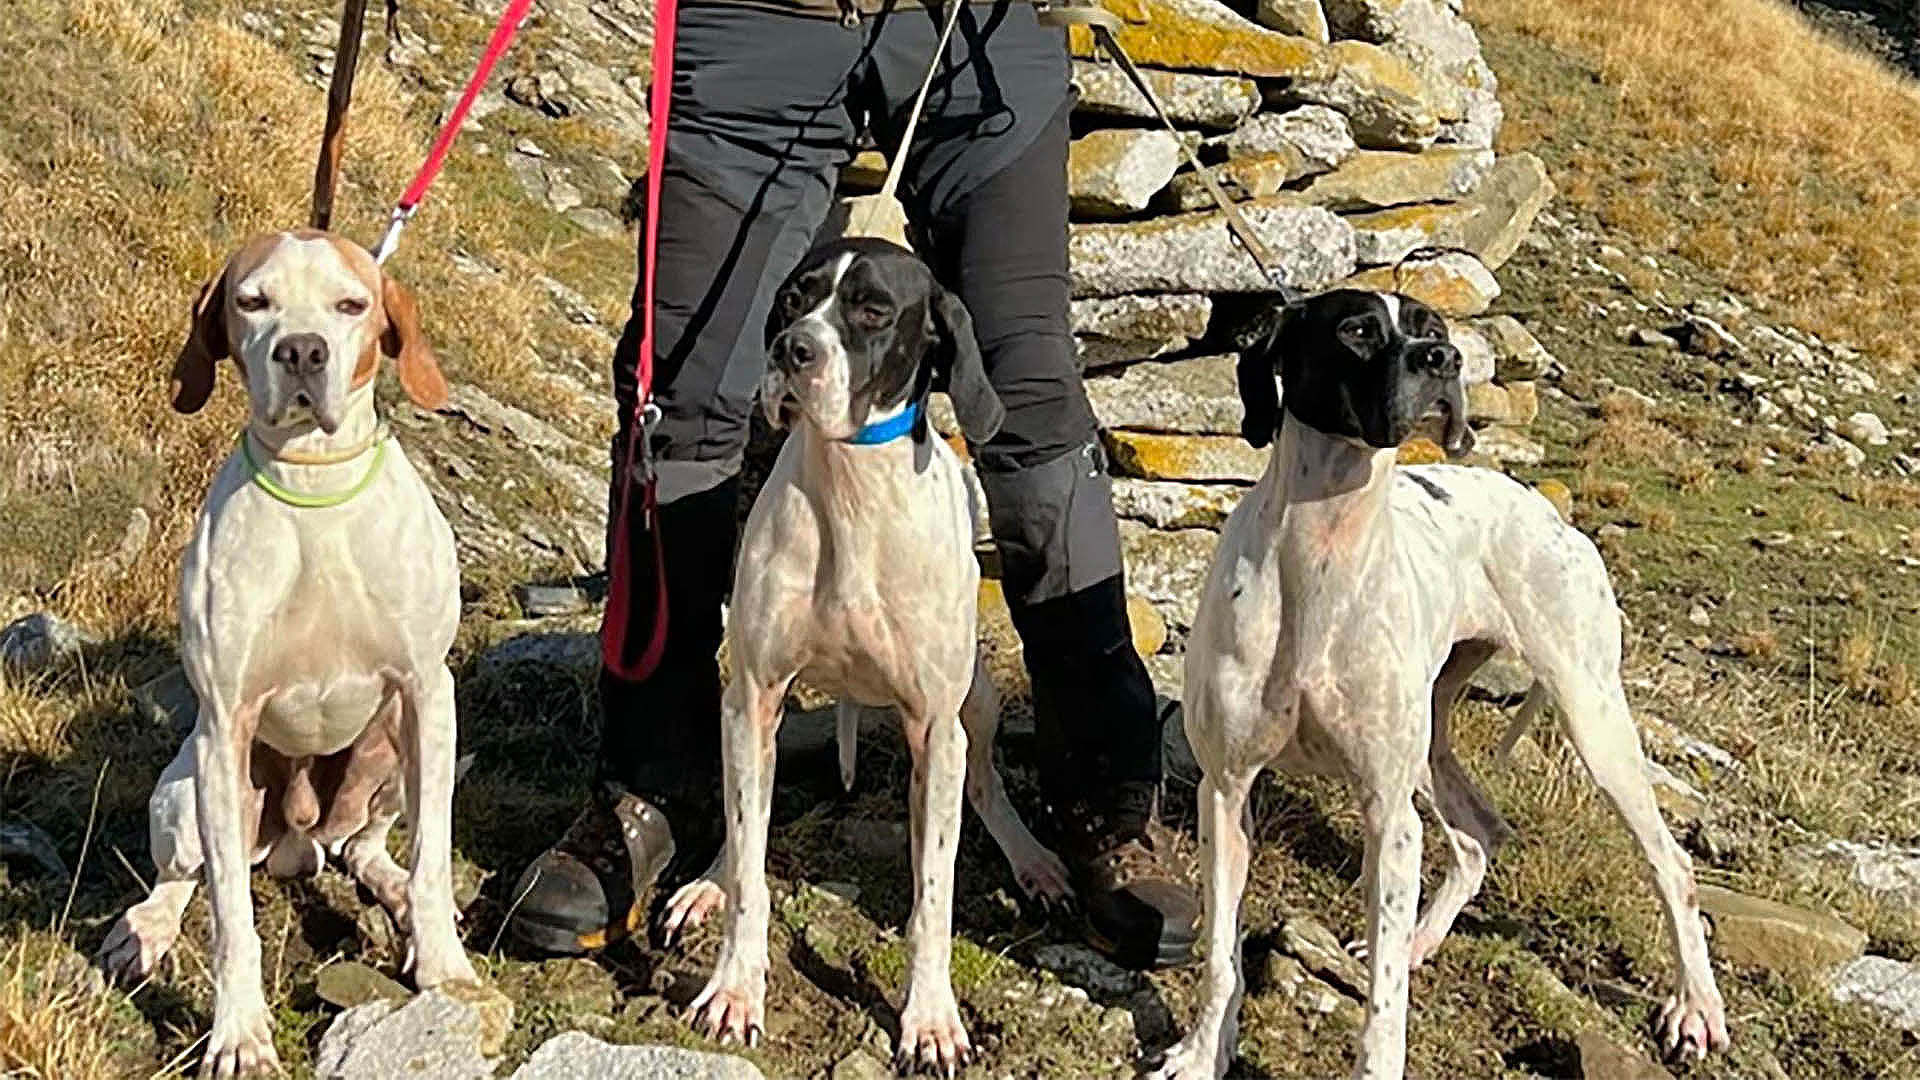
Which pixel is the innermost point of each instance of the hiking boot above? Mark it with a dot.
(585, 892)
(1138, 910)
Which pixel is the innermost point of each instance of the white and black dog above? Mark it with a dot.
(1348, 603)
(856, 571)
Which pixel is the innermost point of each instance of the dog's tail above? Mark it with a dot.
(847, 735)
(1530, 709)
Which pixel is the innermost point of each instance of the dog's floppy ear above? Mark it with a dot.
(402, 339)
(975, 404)
(1258, 393)
(206, 346)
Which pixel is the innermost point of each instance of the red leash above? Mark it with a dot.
(614, 647)
(503, 33)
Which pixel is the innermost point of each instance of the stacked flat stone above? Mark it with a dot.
(1352, 133)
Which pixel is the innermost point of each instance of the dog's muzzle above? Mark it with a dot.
(301, 363)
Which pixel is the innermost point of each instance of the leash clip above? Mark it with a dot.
(391, 238)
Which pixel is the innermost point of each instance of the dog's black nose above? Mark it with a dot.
(301, 354)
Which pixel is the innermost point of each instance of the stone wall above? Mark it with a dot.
(1352, 133)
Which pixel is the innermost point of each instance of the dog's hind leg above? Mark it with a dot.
(733, 1006)
(1037, 870)
(931, 1032)
(1474, 829)
(1597, 721)
(148, 929)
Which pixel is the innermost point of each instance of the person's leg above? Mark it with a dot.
(988, 183)
(758, 126)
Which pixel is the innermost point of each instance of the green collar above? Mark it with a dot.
(312, 502)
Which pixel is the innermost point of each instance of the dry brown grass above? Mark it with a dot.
(143, 141)
(52, 1025)
(1799, 158)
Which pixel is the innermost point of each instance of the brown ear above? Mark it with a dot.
(419, 369)
(206, 346)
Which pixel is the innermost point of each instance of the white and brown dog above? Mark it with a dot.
(318, 599)
(1347, 605)
(856, 570)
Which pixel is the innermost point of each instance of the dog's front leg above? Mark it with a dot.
(931, 1032)
(241, 1042)
(1207, 1050)
(1391, 872)
(733, 1005)
(429, 730)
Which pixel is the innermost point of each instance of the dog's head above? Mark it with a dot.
(861, 327)
(305, 316)
(1358, 365)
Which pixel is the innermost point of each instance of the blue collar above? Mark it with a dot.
(885, 431)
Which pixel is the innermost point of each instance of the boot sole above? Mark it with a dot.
(1168, 955)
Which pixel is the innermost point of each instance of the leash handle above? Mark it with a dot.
(614, 625)
(346, 61)
(1237, 223)
(503, 31)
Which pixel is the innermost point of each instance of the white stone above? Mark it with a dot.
(1886, 986)
(1320, 135)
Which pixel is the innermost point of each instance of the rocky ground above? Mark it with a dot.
(1752, 487)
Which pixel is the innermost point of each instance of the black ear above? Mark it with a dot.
(1258, 393)
(962, 370)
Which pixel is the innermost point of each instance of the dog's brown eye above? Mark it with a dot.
(351, 306)
(257, 302)
(872, 317)
(789, 304)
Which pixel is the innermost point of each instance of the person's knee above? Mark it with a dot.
(1053, 523)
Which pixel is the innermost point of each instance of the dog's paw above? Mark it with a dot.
(932, 1036)
(1693, 1025)
(1190, 1059)
(733, 1007)
(1043, 878)
(138, 942)
(241, 1043)
(690, 906)
(445, 964)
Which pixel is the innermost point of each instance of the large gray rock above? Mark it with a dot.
(1172, 504)
(1197, 252)
(1888, 987)
(1168, 568)
(1517, 354)
(1319, 136)
(1142, 325)
(1196, 396)
(1375, 179)
(575, 654)
(1490, 223)
(1118, 171)
(433, 1037)
(1433, 38)
(1755, 932)
(1156, 456)
(1388, 105)
(578, 1056)
(1217, 102)
(1890, 874)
